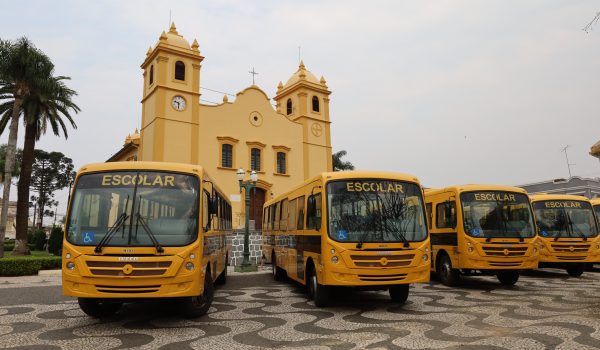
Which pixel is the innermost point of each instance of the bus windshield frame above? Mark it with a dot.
(500, 223)
(142, 207)
(372, 190)
(568, 215)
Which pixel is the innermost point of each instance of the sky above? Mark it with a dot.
(451, 91)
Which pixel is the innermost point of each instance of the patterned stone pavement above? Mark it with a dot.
(544, 310)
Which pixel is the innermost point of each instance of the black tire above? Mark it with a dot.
(97, 307)
(279, 274)
(575, 270)
(399, 293)
(316, 291)
(197, 306)
(447, 275)
(508, 278)
(222, 279)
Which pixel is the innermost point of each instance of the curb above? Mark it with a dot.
(50, 273)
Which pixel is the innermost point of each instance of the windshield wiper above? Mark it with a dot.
(580, 233)
(157, 245)
(120, 221)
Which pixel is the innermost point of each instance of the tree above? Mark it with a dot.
(22, 67)
(339, 164)
(45, 106)
(18, 157)
(51, 171)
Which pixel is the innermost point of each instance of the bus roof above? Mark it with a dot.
(163, 166)
(595, 201)
(353, 174)
(475, 187)
(554, 197)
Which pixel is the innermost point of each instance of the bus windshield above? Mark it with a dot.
(375, 210)
(565, 218)
(492, 214)
(138, 208)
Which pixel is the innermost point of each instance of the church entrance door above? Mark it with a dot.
(257, 199)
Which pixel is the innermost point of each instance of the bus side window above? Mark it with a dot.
(446, 215)
(205, 221)
(300, 225)
(277, 215)
(429, 214)
(284, 215)
(293, 210)
(313, 212)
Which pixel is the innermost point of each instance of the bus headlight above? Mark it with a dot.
(334, 259)
(68, 256)
(425, 257)
(70, 265)
(332, 251)
(189, 266)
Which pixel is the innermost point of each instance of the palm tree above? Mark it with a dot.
(45, 106)
(17, 168)
(339, 164)
(22, 68)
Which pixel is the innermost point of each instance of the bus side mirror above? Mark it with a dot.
(213, 206)
(450, 218)
(311, 206)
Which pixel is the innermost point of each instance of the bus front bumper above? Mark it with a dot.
(494, 263)
(381, 277)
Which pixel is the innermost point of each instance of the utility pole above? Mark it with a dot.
(567, 158)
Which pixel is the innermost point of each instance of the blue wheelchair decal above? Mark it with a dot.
(342, 235)
(475, 232)
(88, 237)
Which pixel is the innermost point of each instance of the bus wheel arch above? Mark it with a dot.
(315, 290)
(278, 273)
(199, 305)
(447, 274)
(222, 279)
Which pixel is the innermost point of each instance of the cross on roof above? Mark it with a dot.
(253, 74)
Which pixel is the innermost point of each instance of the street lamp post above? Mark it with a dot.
(247, 186)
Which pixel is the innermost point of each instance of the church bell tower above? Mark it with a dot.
(170, 103)
(305, 100)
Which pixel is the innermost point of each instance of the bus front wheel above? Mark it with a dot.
(448, 275)
(399, 293)
(98, 308)
(576, 270)
(508, 278)
(199, 305)
(318, 292)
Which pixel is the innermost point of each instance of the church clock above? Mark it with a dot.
(178, 103)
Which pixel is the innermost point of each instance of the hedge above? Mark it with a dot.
(9, 247)
(29, 265)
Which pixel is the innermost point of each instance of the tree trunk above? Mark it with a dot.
(23, 191)
(9, 165)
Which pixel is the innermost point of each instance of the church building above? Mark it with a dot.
(284, 145)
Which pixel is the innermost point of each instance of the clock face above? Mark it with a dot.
(178, 103)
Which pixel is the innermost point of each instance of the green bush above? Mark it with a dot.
(55, 241)
(28, 266)
(8, 247)
(39, 240)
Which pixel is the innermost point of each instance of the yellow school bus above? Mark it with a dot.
(568, 231)
(352, 229)
(140, 230)
(481, 229)
(596, 205)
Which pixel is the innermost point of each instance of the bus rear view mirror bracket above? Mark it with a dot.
(213, 205)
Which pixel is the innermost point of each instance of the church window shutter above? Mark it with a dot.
(315, 104)
(226, 156)
(255, 159)
(289, 106)
(151, 78)
(179, 70)
(281, 164)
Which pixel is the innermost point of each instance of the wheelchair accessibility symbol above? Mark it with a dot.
(88, 237)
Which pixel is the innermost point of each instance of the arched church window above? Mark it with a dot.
(226, 155)
(281, 168)
(289, 106)
(255, 159)
(179, 70)
(151, 78)
(315, 104)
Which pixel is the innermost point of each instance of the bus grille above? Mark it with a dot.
(382, 261)
(382, 278)
(127, 289)
(138, 268)
(574, 258)
(569, 247)
(504, 251)
(505, 264)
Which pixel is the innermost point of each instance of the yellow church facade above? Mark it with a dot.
(285, 145)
